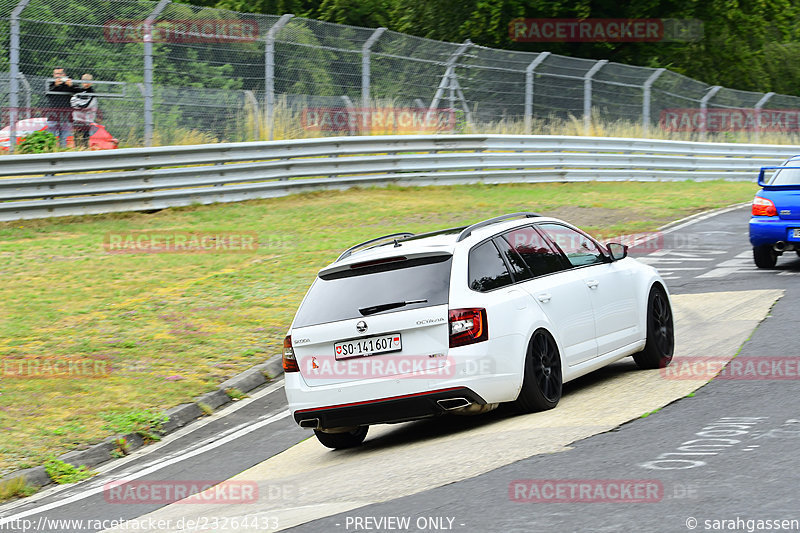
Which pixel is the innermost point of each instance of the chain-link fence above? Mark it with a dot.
(169, 73)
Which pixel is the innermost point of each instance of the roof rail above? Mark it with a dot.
(468, 231)
(391, 236)
(433, 233)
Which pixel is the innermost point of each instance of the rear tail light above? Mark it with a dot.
(289, 361)
(467, 326)
(763, 207)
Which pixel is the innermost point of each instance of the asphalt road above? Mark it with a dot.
(752, 479)
(751, 473)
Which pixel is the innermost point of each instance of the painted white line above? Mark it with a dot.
(727, 271)
(91, 485)
(735, 263)
(687, 221)
(649, 260)
(154, 468)
(699, 217)
(686, 252)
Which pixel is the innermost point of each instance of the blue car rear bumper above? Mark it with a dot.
(769, 230)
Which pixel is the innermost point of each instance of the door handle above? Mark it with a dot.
(592, 283)
(544, 297)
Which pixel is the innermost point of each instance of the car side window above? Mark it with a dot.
(535, 251)
(579, 249)
(487, 270)
(519, 270)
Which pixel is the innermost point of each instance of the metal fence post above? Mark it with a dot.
(704, 108)
(646, 99)
(269, 72)
(365, 66)
(14, 81)
(148, 71)
(27, 85)
(529, 90)
(448, 74)
(250, 98)
(587, 95)
(757, 108)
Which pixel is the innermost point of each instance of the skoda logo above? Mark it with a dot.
(361, 326)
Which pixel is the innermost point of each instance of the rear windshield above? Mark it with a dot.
(790, 176)
(355, 293)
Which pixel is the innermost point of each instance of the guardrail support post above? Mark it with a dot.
(148, 70)
(587, 95)
(704, 108)
(269, 72)
(365, 67)
(646, 99)
(14, 73)
(529, 90)
(757, 108)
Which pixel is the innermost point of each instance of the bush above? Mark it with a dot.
(38, 142)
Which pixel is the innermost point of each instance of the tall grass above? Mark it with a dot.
(288, 124)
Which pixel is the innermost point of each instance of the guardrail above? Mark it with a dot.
(135, 179)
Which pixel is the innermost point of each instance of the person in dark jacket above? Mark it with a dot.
(59, 110)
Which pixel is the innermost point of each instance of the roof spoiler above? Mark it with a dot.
(762, 183)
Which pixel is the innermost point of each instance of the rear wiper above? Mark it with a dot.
(385, 307)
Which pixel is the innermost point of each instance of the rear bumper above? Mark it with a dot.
(384, 410)
(769, 230)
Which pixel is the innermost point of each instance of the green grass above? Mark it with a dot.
(144, 422)
(167, 327)
(15, 488)
(63, 473)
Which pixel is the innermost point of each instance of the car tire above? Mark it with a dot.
(541, 384)
(347, 439)
(764, 256)
(660, 344)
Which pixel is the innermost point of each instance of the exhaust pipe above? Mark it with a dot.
(779, 246)
(453, 403)
(311, 423)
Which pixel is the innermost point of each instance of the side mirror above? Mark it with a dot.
(617, 251)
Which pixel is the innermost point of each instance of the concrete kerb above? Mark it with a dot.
(178, 417)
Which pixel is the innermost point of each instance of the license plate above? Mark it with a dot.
(796, 233)
(368, 346)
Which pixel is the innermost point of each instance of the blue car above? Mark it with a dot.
(775, 225)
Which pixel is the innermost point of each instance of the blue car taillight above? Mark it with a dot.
(763, 207)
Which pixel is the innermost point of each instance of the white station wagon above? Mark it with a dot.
(407, 326)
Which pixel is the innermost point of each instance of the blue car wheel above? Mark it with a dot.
(765, 256)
